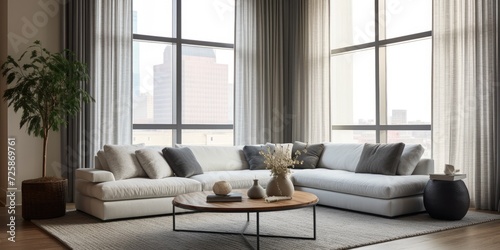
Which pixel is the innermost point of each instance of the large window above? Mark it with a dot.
(381, 71)
(183, 72)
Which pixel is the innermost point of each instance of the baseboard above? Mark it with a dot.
(7, 197)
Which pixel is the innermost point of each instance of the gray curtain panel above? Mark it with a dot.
(281, 71)
(466, 95)
(310, 70)
(76, 146)
(100, 33)
(259, 65)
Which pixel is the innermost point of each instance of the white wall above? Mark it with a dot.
(30, 20)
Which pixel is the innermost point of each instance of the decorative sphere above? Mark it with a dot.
(222, 188)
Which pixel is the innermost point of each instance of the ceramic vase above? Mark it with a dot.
(256, 191)
(280, 185)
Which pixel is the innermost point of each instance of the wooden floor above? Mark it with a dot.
(484, 236)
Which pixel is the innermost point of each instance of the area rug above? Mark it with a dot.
(336, 229)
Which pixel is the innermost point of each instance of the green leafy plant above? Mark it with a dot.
(46, 87)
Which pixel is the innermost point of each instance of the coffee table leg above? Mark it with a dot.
(173, 216)
(314, 221)
(258, 232)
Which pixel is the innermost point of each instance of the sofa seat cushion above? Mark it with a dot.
(138, 188)
(368, 185)
(240, 179)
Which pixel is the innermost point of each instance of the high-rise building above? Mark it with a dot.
(206, 91)
(163, 89)
(399, 116)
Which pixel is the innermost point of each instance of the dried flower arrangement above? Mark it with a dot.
(280, 160)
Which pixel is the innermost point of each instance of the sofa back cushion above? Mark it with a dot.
(341, 156)
(219, 158)
(345, 156)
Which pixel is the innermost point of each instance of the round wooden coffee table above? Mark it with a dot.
(197, 201)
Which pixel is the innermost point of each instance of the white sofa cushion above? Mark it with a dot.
(341, 156)
(219, 158)
(237, 179)
(101, 158)
(369, 185)
(410, 158)
(153, 163)
(137, 188)
(122, 161)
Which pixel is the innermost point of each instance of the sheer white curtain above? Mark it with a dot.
(281, 80)
(466, 95)
(113, 71)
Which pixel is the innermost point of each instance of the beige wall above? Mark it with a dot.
(3, 106)
(27, 21)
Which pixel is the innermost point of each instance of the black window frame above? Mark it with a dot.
(178, 42)
(379, 45)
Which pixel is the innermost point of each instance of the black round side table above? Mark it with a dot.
(446, 200)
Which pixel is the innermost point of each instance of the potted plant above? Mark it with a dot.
(45, 87)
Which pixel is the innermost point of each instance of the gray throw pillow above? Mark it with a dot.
(153, 163)
(410, 158)
(182, 161)
(254, 158)
(310, 157)
(380, 158)
(122, 161)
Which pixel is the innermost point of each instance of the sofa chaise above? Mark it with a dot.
(110, 192)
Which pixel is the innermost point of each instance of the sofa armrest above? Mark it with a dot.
(94, 175)
(424, 167)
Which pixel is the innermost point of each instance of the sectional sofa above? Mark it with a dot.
(133, 181)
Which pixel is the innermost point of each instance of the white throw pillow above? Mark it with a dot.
(410, 158)
(153, 163)
(122, 161)
(103, 163)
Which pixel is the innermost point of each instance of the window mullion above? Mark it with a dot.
(178, 74)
